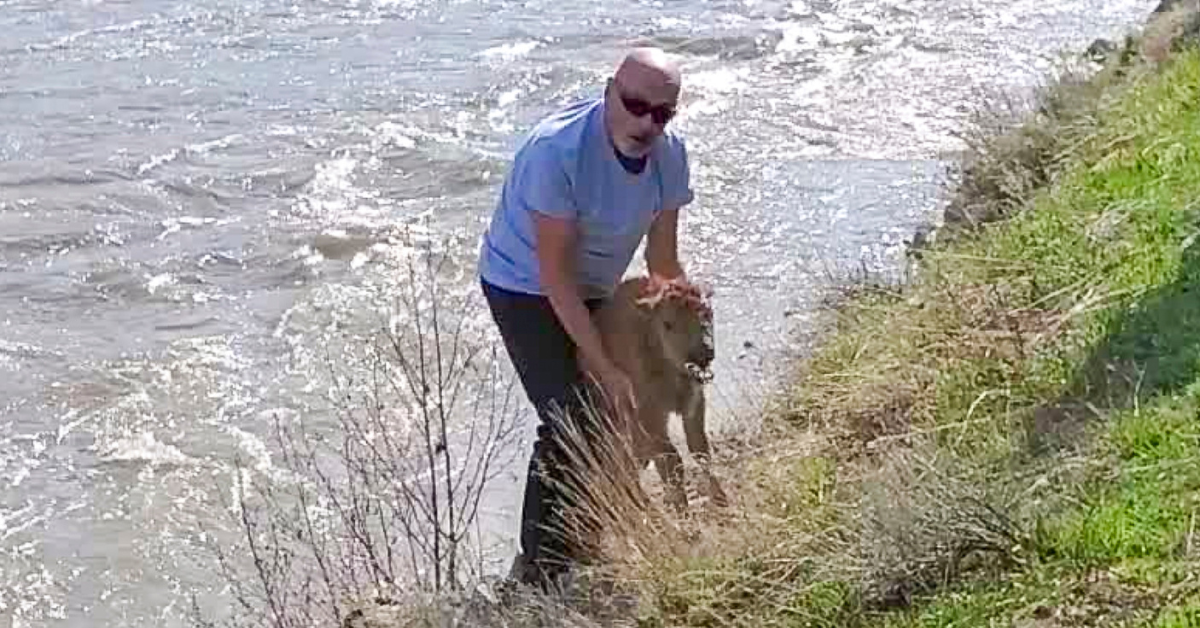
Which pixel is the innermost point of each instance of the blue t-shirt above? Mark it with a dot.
(567, 167)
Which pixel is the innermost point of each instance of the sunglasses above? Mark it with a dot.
(661, 114)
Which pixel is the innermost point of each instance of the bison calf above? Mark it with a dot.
(660, 333)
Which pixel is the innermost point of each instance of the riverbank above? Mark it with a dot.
(1011, 436)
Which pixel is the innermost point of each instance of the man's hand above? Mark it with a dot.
(620, 393)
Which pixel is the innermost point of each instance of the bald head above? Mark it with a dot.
(641, 99)
(648, 68)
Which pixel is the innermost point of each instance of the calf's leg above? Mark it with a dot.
(697, 442)
(667, 460)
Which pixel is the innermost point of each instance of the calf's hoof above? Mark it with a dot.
(716, 494)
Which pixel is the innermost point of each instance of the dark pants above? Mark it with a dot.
(544, 357)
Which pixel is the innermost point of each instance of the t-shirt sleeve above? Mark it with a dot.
(677, 181)
(542, 184)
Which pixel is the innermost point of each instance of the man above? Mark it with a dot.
(586, 186)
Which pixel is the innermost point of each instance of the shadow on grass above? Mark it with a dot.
(1153, 349)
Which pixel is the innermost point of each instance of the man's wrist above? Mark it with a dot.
(600, 366)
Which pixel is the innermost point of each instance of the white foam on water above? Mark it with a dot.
(203, 148)
(500, 117)
(283, 130)
(332, 189)
(713, 89)
(176, 224)
(17, 348)
(156, 282)
(671, 22)
(212, 353)
(143, 447)
(394, 134)
(510, 51)
(407, 4)
(796, 37)
(719, 80)
(66, 41)
(799, 8)
(157, 160)
(19, 476)
(16, 521)
(509, 97)
(254, 446)
(68, 423)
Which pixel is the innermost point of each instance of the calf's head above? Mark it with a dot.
(680, 324)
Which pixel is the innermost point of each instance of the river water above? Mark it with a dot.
(195, 196)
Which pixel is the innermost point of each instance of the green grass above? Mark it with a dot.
(1145, 507)
(1015, 436)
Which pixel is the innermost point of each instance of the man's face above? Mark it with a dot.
(639, 111)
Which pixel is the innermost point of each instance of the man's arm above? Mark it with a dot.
(662, 242)
(662, 245)
(556, 238)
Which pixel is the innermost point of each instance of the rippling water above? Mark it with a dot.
(196, 198)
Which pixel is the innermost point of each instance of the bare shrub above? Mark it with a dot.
(924, 518)
(607, 513)
(380, 506)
